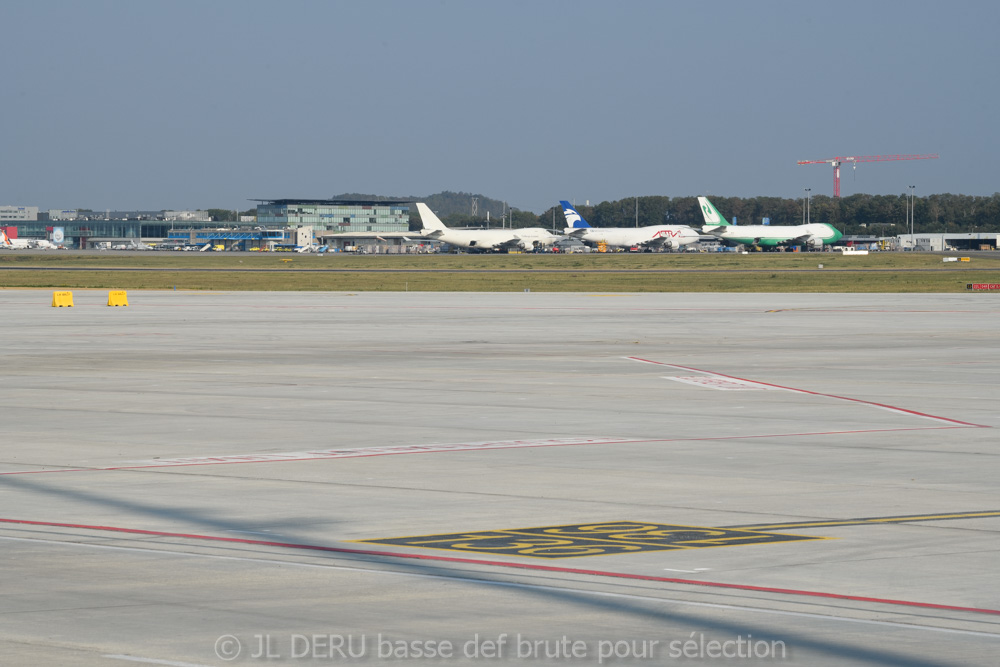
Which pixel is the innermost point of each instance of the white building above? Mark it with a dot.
(15, 213)
(202, 216)
(938, 242)
(62, 214)
(303, 236)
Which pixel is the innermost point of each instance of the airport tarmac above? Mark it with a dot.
(509, 478)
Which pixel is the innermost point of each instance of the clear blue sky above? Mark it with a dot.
(194, 104)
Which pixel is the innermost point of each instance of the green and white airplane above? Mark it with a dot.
(813, 235)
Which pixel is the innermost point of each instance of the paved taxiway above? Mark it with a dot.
(219, 478)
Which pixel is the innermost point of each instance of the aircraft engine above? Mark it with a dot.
(814, 243)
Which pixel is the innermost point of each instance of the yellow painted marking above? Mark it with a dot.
(591, 539)
(888, 519)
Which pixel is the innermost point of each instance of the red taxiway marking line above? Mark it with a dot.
(519, 566)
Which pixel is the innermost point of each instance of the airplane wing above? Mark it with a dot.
(512, 242)
(658, 242)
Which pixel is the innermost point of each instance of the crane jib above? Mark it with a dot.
(837, 161)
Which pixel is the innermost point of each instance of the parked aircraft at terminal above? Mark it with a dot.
(526, 238)
(653, 236)
(812, 235)
(24, 244)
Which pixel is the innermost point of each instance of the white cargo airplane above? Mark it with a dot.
(812, 235)
(525, 238)
(24, 244)
(652, 237)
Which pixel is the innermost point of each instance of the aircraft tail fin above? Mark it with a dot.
(428, 220)
(4, 239)
(573, 219)
(710, 213)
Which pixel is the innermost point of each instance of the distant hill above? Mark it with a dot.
(447, 204)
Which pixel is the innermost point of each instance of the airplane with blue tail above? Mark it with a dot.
(652, 237)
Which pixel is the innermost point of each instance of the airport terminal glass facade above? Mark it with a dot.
(335, 215)
(80, 233)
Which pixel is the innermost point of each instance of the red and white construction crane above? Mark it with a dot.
(837, 161)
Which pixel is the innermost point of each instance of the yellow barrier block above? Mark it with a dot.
(60, 299)
(117, 298)
(965, 259)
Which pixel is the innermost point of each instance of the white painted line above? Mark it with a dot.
(369, 451)
(153, 661)
(694, 571)
(721, 383)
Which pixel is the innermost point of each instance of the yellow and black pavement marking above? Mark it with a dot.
(592, 539)
(604, 539)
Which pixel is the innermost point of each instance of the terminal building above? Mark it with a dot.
(84, 229)
(374, 225)
(370, 225)
(336, 215)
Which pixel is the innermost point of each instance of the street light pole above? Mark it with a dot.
(808, 205)
(913, 207)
